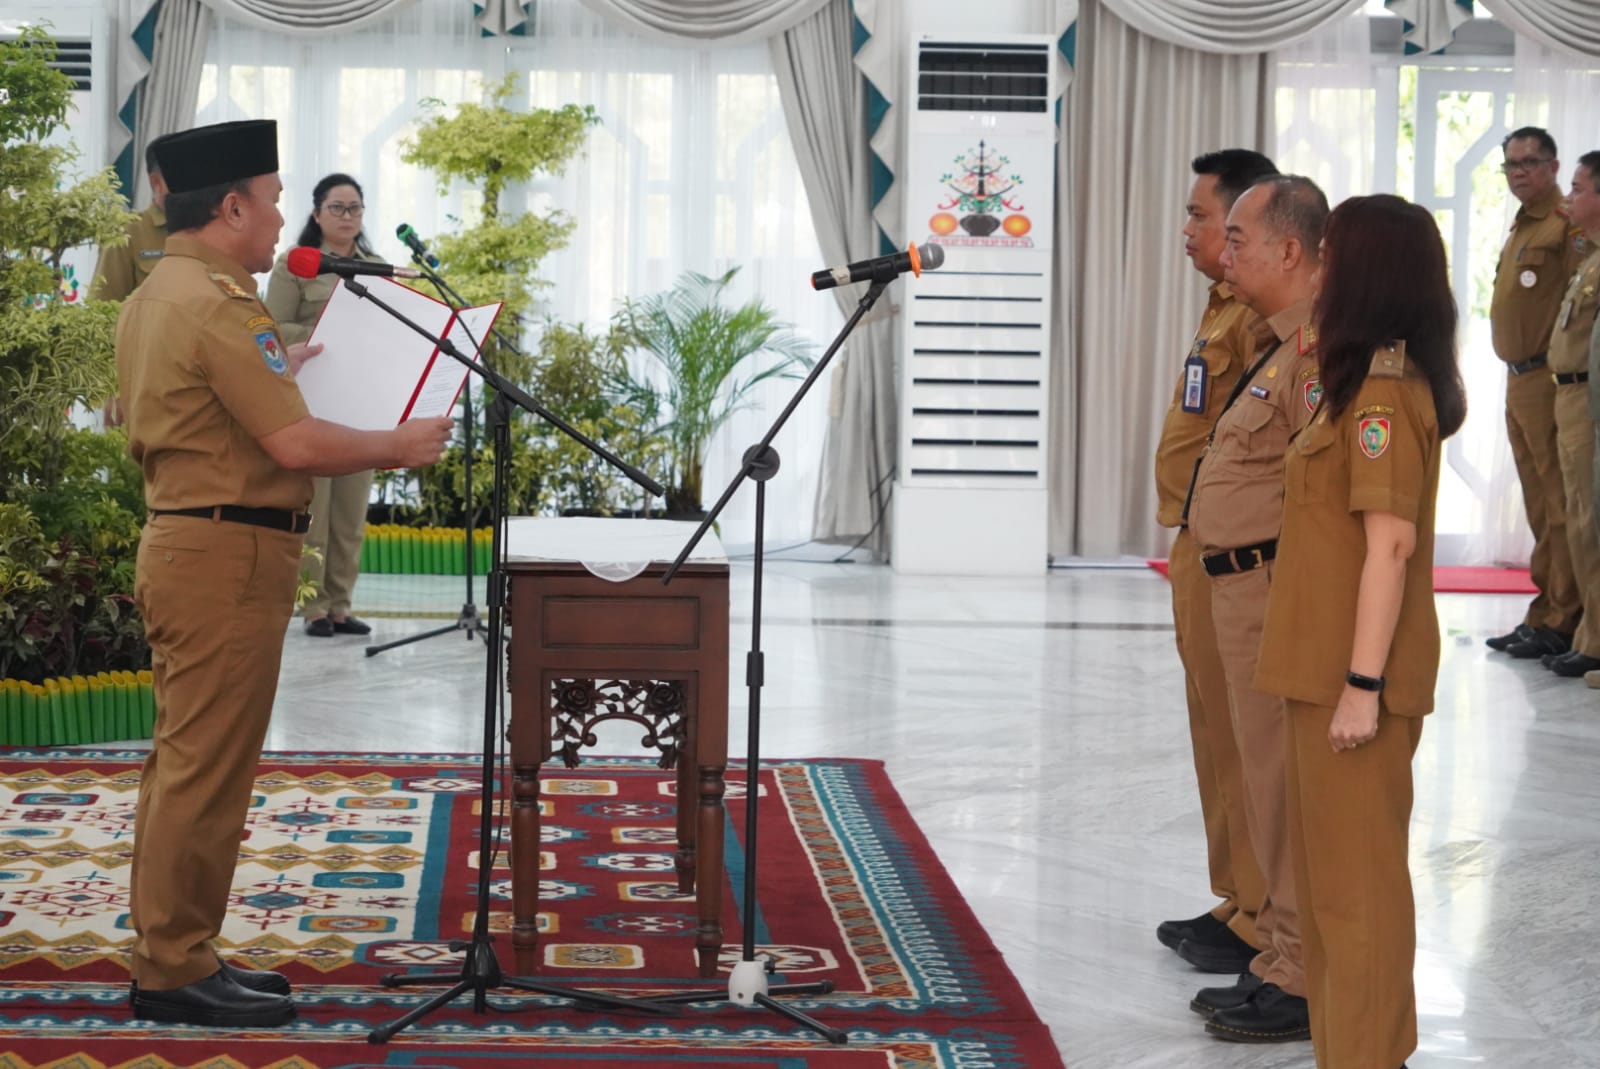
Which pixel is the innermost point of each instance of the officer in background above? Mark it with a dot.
(119, 269)
(217, 424)
(1223, 938)
(1569, 367)
(1538, 258)
(1235, 513)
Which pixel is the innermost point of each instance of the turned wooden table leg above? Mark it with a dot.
(524, 868)
(708, 876)
(688, 822)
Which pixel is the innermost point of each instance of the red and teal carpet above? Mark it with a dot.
(358, 865)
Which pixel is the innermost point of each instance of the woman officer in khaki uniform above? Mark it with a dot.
(1355, 575)
(338, 505)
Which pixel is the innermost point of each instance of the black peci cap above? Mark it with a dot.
(213, 155)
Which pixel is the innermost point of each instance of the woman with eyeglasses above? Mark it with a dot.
(339, 504)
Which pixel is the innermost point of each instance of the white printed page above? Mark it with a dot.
(372, 364)
(441, 385)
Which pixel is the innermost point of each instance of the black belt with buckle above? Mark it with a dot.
(1533, 363)
(1569, 378)
(1247, 559)
(276, 519)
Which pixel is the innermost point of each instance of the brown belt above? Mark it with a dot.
(276, 519)
(1246, 559)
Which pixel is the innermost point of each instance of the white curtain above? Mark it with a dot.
(1325, 109)
(1139, 110)
(183, 28)
(1430, 25)
(1228, 26)
(1568, 26)
(132, 69)
(308, 16)
(721, 22)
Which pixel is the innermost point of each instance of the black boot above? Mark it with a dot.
(1221, 952)
(1211, 1001)
(1171, 933)
(218, 1000)
(1271, 1016)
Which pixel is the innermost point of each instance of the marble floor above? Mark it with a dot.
(1036, 729)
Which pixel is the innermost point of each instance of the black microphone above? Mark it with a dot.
(881, 268)
(414, 243)
(306, 262)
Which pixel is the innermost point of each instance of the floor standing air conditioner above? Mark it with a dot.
(971, 494)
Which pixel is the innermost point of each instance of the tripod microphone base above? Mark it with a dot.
(748, 986)
(480, 973)
(469, 621)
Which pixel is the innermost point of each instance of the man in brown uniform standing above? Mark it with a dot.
(227, 447)
(1569, 367)
(1235, 512)
(1535, 264)
(1224, 938)
(121, 269)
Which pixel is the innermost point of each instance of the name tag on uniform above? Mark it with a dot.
(1195, 380)
(1259, 391)
(151, 254)
(1565, 316)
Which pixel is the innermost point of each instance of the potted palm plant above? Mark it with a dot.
(705, 358)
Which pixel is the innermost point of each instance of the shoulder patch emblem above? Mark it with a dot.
(227, 284)
(1374, 436)
(256, 324)
(272, 352)
(1313, 394)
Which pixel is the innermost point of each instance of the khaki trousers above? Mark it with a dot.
(216, 599)
(1575, 445)
(1235, 877)
(1349, 824)
(1531, 425)
(1238, 610)
(338, 524)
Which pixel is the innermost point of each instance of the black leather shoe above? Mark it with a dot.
(1171, 933)
(352, 626)
(1574, 665)
(1516, 634)
(1543, 640)
(321, 627)
(1271, 1016)
(1213, 1000)
(1221, 952)
(218, 1001)
(271, 983)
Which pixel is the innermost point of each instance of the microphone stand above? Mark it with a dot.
(468, 620)
(480, 970)
(748, 984)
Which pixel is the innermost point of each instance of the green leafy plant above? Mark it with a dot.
(706, 360)
(70, 499)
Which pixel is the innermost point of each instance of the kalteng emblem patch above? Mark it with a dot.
(1374, 434)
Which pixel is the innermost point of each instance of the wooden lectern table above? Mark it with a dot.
(583, 650)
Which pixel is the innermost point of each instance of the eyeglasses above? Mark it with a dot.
(345, 211)
(1527, 163)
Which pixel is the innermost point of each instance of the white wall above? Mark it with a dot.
(967, 17)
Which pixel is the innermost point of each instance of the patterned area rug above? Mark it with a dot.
(358, 865)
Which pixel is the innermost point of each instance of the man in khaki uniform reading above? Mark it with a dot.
(1235, 512)
(228, 450)
(1569, 367)
(1538, 258)
(1224, 938)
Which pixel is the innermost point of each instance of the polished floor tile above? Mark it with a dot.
(1036, 729)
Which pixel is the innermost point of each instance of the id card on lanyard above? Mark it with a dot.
(1196, 379)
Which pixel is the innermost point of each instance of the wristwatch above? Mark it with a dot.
(1361, 682)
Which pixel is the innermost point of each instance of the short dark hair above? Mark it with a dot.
(1296, 208)
(1547, 144)
(1591, 160)
(1236, 170)
(1384, 279)
(197, 207)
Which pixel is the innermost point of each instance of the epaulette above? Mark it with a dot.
(229, 285)
(1388, 361)
(1308, 338)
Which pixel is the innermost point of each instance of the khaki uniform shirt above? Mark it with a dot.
(121, 270)
(204, 375)
(295, 302)
(1569, 342)
(1224, 344)
(1541, 254)
(1237, 498)
(1381, 453)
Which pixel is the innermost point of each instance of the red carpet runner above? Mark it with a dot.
(357, 865)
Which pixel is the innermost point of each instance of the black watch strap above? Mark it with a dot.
(1361, 682)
